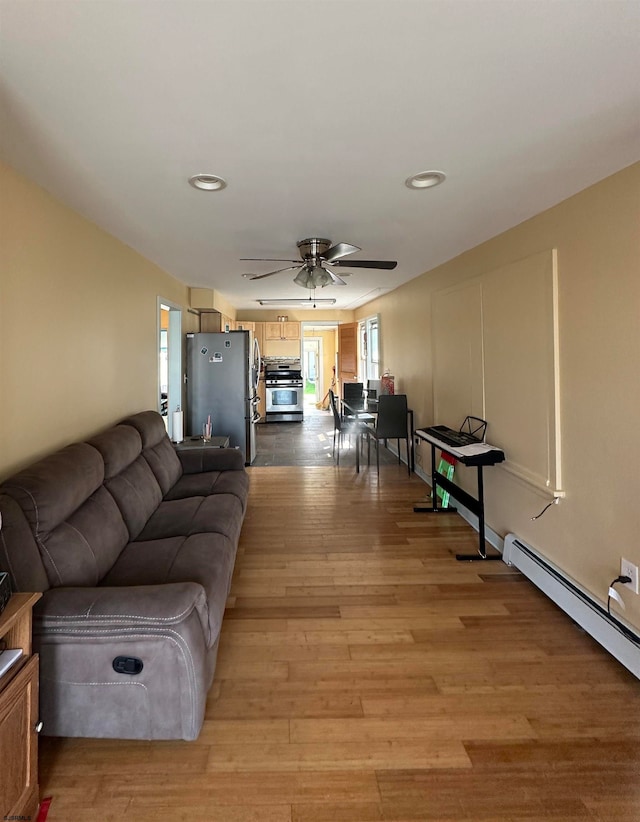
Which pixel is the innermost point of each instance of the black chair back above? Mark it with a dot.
(373, 389)
(392, 416)
(352, 391)
(334, 408)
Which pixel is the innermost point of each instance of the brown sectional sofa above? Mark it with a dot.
(133, 546)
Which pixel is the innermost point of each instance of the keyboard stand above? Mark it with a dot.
(473, 504)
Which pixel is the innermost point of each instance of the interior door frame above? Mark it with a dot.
(321, 325)
(319, 364)
(174, 358)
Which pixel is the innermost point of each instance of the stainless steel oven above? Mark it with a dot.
(284, 391)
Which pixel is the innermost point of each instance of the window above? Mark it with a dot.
(369, 349)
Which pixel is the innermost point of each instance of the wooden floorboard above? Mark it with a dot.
(366, 676)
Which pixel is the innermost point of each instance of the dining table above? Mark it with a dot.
(366, 410)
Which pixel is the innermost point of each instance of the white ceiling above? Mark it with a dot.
(315, 112)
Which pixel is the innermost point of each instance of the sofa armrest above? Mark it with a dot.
(197, 460)
(80, 633)
(151, 606)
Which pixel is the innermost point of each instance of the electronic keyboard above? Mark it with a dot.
(451, 437)
(472, 451)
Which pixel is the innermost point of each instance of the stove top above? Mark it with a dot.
(282, 368)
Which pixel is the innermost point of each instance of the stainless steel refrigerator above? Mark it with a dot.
(222, 382)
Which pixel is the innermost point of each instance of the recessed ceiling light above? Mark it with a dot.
(207, 182)
(426, 179)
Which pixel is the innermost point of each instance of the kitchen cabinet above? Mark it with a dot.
(19, 714)
(214, 321)
(282, 331)
(245, 325)
(258, 333)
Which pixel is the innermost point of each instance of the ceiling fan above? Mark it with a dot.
(317, 255)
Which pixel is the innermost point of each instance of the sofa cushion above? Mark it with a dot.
(157, 448)
(82, 549)
(204, 558)
(24, 565)
(211, 482)
(219, 513)
(74, 520)
(119, 447)
(128, 477)
(54, 487)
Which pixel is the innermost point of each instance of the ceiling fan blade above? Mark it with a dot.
(335, 280)
(339, 250)
(270, 273)
(388, 264)
(267, 260)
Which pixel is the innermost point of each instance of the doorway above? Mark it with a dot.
(169, 361)
(312, 350)
(319, 347)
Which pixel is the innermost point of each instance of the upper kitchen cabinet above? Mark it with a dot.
(258, 334)
(282, 331)
(214, 321)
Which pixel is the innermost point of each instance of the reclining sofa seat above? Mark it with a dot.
(133, 547)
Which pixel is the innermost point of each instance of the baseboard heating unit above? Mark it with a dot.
(620, 641)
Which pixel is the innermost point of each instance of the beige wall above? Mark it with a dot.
(78, 325)
(597, 236)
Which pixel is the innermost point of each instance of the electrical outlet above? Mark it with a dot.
(628, 569)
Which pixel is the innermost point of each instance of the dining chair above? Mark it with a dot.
(352, 389)
(391, 423)
(345, 425)
(373, 389)
(352, 392)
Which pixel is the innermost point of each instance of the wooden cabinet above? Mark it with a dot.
(291, 331)
(245, 325)
(258, 333)
(214, 321)
(282, 331)
(19, 714)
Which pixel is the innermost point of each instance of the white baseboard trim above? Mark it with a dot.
(618, 639)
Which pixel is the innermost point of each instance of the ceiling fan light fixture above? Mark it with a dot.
(303, 278)
(312, 277)
(207, 182)
(425, 179)
(320, 277)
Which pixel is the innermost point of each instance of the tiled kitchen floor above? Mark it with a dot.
(309, 443)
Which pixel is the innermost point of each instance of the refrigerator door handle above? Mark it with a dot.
(257, 363)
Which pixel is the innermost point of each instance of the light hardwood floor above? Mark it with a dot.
(366, 675)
